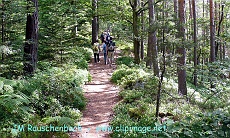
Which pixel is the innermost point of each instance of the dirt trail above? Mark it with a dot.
(102, 96)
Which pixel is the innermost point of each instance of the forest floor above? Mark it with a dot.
(101, 97)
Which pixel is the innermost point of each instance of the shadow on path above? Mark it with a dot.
(101, 96)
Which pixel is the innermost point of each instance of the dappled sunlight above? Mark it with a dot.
(101, 96)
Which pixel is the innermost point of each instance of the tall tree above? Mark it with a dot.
(181, 60)
(152, 38)
(94, 22)
(175, 9)
(136, 41)
(219, 30)
(195, 41)
(31, 44)
(212, 31)
(142, 29)
(3, 22)
(212, 36)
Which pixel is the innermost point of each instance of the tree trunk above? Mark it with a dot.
(3, 29)
(212, 37)
(175, 18)
(190, 20)
(136, 40)
(212, 32)
(181, 60)
(218, 30)
(94, 22)
(224, 44)
(195, 41)
(152, 38)
(31, 44)
(142, 29)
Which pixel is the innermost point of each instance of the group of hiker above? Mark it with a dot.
(107, 46)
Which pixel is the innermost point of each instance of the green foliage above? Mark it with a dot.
(202, 116)
(208, 124)
(61, 83)
(79, 57)
(126, 47)
(13, 105)
(121, 72)
(128, 61)
(129, 77)
(52, 96)
(58, 36)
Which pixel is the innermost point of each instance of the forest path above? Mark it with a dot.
(101, 96)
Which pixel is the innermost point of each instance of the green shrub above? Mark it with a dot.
(60, 83)
(11, 70)
(87, 52)
(120, 73)
(52, 94)
(14, 106)
(43, 65)
(128, 61)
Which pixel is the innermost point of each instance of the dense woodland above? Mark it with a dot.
(174, 68)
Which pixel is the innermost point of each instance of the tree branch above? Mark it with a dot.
(158, 1)
(141, 10)
(129, 22)
(214, 93)
(131, 4)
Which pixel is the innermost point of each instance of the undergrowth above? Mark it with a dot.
(52, 96)
(197, 115)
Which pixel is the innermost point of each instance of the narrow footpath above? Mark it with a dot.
(101, 96)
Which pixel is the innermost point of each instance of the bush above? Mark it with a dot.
(129, 78)
(14, 106)
(53, 94)
(60, 83)
(128, 61)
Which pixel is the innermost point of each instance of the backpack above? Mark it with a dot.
(95, 47)
(111, 47)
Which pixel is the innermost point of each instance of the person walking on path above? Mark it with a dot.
(96, 51)
(104, 48)
(111, 49)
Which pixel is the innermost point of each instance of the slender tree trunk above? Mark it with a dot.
(204, 44)
(175, 18)
(3, 22)
(195, 41)
(212, 37)
(190, 20)
(161, 77)
(216, 8)
(218, 30)
(142, 29)
(152, 38)
(136, 40)
(98, 25)
(181, 60)
(94, 22)
(212, 32)
(31, 44)
(224, 45)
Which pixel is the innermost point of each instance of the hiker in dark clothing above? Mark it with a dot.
(110, 51)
